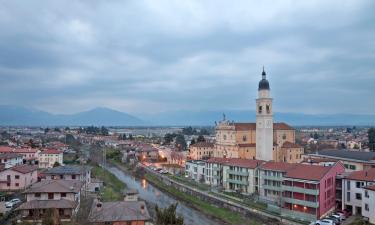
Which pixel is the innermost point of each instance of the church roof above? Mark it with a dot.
(263, 84)
(252, 126)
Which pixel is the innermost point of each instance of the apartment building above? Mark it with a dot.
(195, 169)
(18, 177)
(368, 203)
(49, 157)
(69, 172)
(201, 150)
(214, 171)
(10, 159)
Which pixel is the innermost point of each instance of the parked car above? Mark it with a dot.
(342, 215)
(347, 213)
(12, 203)
(334, 219)
(337, 216)
(324, 222)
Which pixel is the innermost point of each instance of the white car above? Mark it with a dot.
(342, 215)
(12, 203)
(324, 222)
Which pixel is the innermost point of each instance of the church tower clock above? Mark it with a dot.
(264, 121)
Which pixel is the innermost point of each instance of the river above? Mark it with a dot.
(153, 195)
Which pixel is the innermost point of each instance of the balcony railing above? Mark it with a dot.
(301, 202)
(240, 173)
(300, 190)
(243, 182)
(270, 187)
(272, 177)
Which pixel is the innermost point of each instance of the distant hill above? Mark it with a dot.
(21, 116)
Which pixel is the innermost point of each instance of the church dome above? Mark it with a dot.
(263, 84)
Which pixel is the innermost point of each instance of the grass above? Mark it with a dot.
(113, 186)
(207, 208)
(191, 183)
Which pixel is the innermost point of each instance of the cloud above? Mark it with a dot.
(142, 56)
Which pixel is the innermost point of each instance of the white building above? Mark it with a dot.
(11, 159)
(49, 157)
(264, 121)
(195, 169)
(368, 203)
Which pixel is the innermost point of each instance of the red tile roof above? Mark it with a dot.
(203, 145)
(217, 160)
(247, 145)
(308, 172)
(366, 175)
(25, 168)
(5, 149)
(278, 166)
(25, 150)
(10, 155)
(51, 151)
(282, 126)
(246, 163)
(244, 126)
(288, 144)
(370, 187)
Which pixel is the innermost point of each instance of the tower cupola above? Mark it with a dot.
(263, 84)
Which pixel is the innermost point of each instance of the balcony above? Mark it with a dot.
(240, 173)
(298, 215)
(300, 190)
(215, 168)
(243, 182)
(272, 178)
(301, 202)
(270, 187)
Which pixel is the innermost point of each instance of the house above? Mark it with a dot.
(352, 189)
(214, 171)
(62, 196)
(119, 213)
(241, 175)
(69, 172)
(201, 150)
(29, 154)
(49, 157)
(11, 159)
(18, 177)
(309, 192)
(368, 203)
(195, 169)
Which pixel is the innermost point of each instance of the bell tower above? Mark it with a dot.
(264, 121)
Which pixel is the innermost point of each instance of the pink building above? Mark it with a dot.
(18, 177)
(309, 192)
(29, 154)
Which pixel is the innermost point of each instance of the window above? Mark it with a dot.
(8, 184)
(348, 196)
(359, 184)
(17, 184)
(63, 195)
(73, 176)
(366, 207)
(17, 177)
(50, 195)
(358, 196)
(348, 184)
(37, 195)
(260, 109)
(352, 167)
(366, 194)
(244, 138)
(268, 109)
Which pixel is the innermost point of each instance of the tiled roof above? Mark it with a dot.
(307, 172)
(244, 126)
(48, 204)
(246, 163)
(203, 145)
(10, 155)
(288, 144)
(366, 175)
(370, 187)
(217, 160)
(67, 170)
(282, 126)
(278, 166)
(4, 149)
(119, 211)
(24, 168)
(347, 155)
(25, 150)
(55, 186)
(318, 160)
(247, 145)
(51, 151)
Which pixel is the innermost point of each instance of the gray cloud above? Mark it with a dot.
(145, 56)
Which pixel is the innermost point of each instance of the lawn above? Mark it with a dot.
(113, 186)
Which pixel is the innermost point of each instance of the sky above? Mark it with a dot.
(153, 56)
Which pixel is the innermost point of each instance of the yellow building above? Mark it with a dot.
(201, 150)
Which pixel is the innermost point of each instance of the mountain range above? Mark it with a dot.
(21, 116)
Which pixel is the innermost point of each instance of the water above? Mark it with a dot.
(153, 195)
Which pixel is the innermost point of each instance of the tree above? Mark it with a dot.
(371, 138)
(180, 142)
(51, 217)
(192, 142)
(56, 164)
(316, 136)
(167, 216)
(168, 138)
(201, 138)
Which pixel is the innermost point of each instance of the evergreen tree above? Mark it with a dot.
(180, 142)
(201, 139)
(167, 216)
(192, 142)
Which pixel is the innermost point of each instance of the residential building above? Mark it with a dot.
(309, 192)
(49, 157)
(119, 213)
(10, 159)
(201, 150)
(195, 169)
(368, 203)
(352, 189)
(62, 196)
(352, 160)
(214, 171)
(29, 154)
(18, 177)
(241, 175)
(69, 172)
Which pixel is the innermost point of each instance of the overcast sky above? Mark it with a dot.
(151, 56)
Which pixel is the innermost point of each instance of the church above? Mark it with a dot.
(262, 140)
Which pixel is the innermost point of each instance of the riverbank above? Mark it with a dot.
(222, 214)
(112, 191)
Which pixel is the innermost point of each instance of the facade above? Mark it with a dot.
(195, 169)
(352, 189)
(119, 213)
(214, 171)
(368, 203)
(62, 196)
(352, 160)
(81, 173)
(241, 175)
(10, 159)
(29, 154)
(49, 157)
(263, 140)
(201, 150)
(18, 177)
